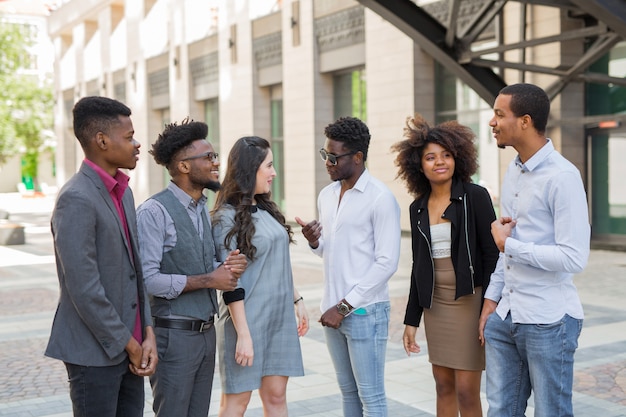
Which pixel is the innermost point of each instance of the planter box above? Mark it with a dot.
(11, 233)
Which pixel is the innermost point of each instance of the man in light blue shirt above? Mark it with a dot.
(543, 237)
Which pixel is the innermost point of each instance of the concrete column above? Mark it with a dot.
(307, 109)
(236, 84)
(64, 146)
(136, 97)
(179, 63)
(570, 103)
(393, 93)
(105, 19)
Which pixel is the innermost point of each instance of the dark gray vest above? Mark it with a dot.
(190, 256)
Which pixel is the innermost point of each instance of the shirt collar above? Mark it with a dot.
(360, 184)
(537, 158)
(184, 198)
(120, 179)
(363, 180)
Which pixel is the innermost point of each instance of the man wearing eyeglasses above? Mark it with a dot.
(358, 236)
(181, 275)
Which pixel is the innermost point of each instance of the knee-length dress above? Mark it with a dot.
(268, 285)
(451, 326)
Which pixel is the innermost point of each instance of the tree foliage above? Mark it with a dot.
(26, 102)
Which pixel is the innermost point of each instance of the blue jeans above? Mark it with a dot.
(357, 349)
(105, 391)
(521, 357)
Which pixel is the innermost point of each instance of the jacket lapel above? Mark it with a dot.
(106, 197)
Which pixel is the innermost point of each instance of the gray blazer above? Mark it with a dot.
(101, 286)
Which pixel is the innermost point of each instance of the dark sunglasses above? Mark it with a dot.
(332, 157)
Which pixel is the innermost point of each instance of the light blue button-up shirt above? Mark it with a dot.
(157, 235)
(533, 279)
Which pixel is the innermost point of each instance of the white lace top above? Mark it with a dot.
(441, 239)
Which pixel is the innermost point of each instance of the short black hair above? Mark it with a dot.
(352, 132)
(176, 137)
(531, 100)
(95, 114)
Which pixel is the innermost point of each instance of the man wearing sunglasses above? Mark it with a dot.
(358, 236)
(178, 256)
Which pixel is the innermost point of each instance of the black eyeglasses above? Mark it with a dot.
(213, 156)
(332, 157)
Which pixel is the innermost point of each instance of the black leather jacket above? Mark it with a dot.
(474, 253)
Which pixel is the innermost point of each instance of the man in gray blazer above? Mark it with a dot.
(102, 329)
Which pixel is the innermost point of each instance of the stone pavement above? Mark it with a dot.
(32, 385)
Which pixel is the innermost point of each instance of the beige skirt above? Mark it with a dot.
(452, 325)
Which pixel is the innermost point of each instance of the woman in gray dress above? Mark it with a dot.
(257, 331)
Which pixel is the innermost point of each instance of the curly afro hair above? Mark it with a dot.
(454, 137)
(175, 138)
(352, 132)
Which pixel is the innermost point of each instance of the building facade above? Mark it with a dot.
(32, 16)
(283, 70)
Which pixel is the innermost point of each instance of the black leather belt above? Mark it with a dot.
(182, 324)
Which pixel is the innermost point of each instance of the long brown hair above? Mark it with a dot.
(237, 190)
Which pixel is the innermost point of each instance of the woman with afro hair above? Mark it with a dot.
(453, 257)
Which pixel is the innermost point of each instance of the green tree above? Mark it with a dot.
(26, 102)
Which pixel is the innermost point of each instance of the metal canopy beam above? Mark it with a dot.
(611, 12)
(563, 4)
(561, 37)
(431, 36)
(453, 14)
(599, 49)
(585, 76)
(453, 46)
(482, 19)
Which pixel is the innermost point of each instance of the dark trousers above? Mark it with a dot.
(107, 391)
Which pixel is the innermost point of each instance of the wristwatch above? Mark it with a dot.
(343, 308)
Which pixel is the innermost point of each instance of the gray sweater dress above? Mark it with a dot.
(268, 285)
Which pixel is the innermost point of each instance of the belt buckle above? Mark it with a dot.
(205, 326)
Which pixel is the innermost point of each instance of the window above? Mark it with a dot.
(212, 119)
(454, 100)
(276, 114)
(165, 119)
(349, 94)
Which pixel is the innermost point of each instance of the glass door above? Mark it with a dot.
(607, 148)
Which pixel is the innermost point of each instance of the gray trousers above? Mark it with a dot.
(182, 383)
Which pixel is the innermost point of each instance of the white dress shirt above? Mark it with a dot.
(360, 242)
